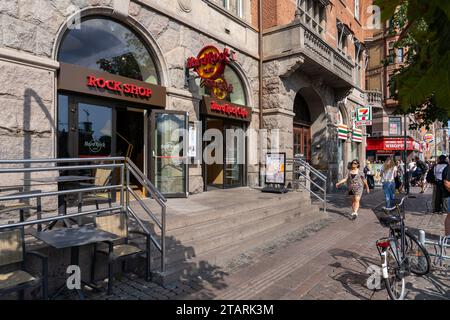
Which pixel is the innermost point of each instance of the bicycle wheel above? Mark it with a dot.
(395, 284)
(418, 257)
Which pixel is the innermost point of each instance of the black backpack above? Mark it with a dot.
(431, 178)
(421, 165)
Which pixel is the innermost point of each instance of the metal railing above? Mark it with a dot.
(311, 180)
(127, 170)
(440, 247)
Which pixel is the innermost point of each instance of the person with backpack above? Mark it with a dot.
(421, 170)
(368, 174)
(434, 176)
(446, 180)
(399, 177)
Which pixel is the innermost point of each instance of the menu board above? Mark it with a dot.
(275, 168)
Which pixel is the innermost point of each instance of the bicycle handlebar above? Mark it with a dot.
(397, 205)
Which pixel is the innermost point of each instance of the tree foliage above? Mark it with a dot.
(423, 83)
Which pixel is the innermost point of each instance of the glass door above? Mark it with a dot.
(234, 155)
(94, 130)
(169, 152)
(302, 142)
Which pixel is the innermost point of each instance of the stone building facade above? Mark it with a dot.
(313, 79)
(32, 33)
(313, 70)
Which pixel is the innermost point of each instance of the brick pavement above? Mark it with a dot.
(321, 263)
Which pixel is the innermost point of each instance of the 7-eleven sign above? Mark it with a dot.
(363, 116)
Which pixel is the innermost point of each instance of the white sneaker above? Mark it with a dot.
(354, 215)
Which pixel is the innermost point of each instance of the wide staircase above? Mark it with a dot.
(209, 230)
(190, 237)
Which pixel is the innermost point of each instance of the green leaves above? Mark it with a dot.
(424, 83)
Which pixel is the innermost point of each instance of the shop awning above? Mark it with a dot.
(392, 144)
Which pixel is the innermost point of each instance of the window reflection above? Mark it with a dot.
(63, 126)
(105, 45)
(94, 130)
(238, 94)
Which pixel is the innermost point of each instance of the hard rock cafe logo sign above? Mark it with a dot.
(210, 66)
(95, 145)
(229, 110)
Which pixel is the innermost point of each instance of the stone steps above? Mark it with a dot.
(211, 227)
(210, 240)
(206, 262)
(217, 241)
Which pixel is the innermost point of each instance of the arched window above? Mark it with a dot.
(107, 45)
(237, 96)
(301, 110)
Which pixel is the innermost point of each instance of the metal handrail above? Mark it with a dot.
(57, 160)
(126, 167)
(131, 168)
(312, 171)
(57, 218)
(318, 186)
(144, 178)
(311, 168)
(58, 193)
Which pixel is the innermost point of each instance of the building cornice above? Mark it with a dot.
(27, 59)
(193, 25)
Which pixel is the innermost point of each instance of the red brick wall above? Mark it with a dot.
(254, 9)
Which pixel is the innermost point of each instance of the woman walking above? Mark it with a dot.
(356, 183)
(399, 177)
(388, 173)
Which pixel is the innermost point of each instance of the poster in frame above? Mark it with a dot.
(275, 173)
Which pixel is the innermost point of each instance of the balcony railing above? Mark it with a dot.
(296, 38)
(374, 98)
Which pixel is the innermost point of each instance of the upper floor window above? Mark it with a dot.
(357, 9)
(313, 14)
(391, 53)
(399, 56)
(395, 126)
(106, 45)
(236, 7)
(342, 37)
(358, 63)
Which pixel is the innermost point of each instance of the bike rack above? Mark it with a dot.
(440, 247)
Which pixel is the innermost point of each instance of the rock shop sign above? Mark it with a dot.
(210, 65)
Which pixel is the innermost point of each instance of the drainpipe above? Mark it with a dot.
(260, 76)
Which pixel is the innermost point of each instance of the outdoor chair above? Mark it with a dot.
(19, 206)
(122, 249)
(12, 252)
(102, 178)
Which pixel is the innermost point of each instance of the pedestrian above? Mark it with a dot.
(388, 173)
(399, 177)
(368, 174)
(421, 171)
(356, 184)
(446, 179)
(438, 185)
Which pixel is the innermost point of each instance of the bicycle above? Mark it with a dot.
(401, 253)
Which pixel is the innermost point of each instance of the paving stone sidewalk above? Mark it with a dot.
(325, 262)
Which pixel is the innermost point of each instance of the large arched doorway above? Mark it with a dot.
(230, 171)
(109, 96)
(310, 128)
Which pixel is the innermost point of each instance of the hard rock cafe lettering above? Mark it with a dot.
(229, 110)
(118, 86)
(210, 65)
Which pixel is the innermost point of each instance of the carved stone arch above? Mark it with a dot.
(236, 66)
